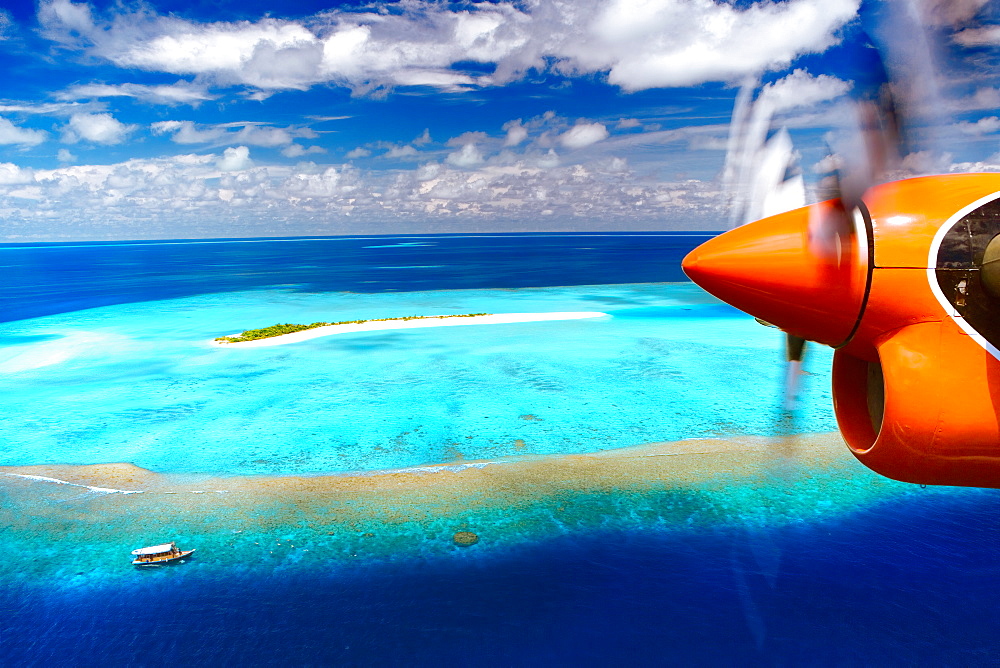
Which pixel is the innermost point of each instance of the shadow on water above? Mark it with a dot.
(790, 595)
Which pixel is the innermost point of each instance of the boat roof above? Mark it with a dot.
(155, 549)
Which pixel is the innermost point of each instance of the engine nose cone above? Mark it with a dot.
(804, 271)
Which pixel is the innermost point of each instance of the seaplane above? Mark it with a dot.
(900, 277)
(905, 286)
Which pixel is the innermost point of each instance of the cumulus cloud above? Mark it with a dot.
(982, 98)
(258, 135)
(468, 138)
(298, 150)
(12, 134)
(925, 162)
(423, 139)
(516, 133)
(193, 195)
(96, 128)
(548, 160)
(185, 132)
(829, 164)
(657, 43)
(467, 156)
(11, 174)
(583, 134)
(179, 93)
(359, 152)
(983, 126)
(405, 151)
(639, 43)
(65, 155)
(802, 89)
(240, 132)
(990, 165)
(235, 159)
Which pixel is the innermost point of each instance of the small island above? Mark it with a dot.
(292, 333)
(288, 328)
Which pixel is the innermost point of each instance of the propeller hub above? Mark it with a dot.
(805, 271)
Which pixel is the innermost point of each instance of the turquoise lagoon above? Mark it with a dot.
(141, 383)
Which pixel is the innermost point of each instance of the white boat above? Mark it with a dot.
(155, 555)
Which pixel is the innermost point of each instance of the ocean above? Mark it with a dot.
(637, 491)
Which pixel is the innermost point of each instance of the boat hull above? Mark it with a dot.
(160, 560)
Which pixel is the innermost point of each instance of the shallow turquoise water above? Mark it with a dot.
(139, 382)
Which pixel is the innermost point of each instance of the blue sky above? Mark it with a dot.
(228, 119)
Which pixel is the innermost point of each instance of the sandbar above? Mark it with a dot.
(430, 321)
(49, 511)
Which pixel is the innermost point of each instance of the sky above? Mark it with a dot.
(250, 118)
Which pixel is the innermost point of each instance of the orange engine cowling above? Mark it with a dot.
(895, 287)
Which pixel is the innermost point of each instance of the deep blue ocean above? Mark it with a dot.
(910, 584)
(40, 279)
(911, 578)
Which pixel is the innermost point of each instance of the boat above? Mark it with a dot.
(156, 555)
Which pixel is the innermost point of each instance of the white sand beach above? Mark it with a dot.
(432, 321)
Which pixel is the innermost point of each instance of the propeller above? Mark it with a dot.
(762, 177)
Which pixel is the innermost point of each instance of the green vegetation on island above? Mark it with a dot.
(288, 328)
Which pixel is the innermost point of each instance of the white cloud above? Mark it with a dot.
(201, 195)
(359, 152)
(405, 151)
(180, 93)
(235, 159)
(297, 150)
(428, 171)
(828, 164)
(257, 135)
(549, 160)
(65, 155)
(467, 156)
(63, 18)
(986, 36)
(925, 162)
(185, 132)
(516, 133)
(468, 138)
(52, 108)
(628, 123)
(7, 25)
(983, 98)
(801, 89)
(983, 126)
(701, 142)
(423, 139)
(583, 134)
(990, 165)
(11, 174)
(248, 133)
(638, 43)
(12, 134)
(617, 165)
(97, 128)
(658, 43)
